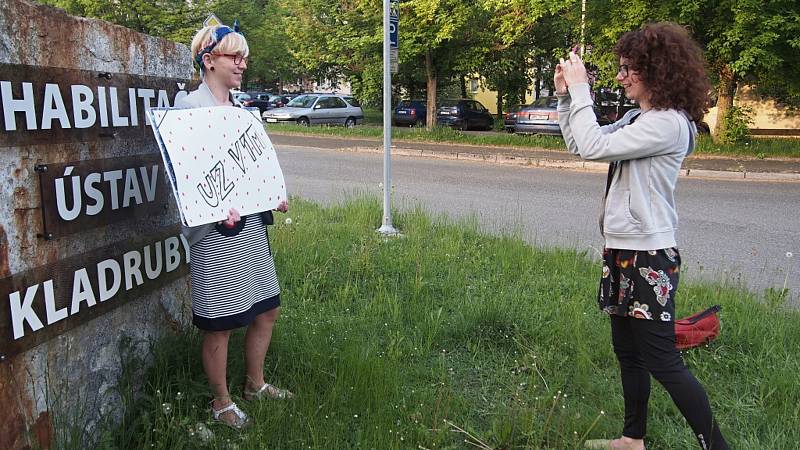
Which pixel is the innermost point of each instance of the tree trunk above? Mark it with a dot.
(500, 103)
(430, 74)
(725, 93)
(463, 79)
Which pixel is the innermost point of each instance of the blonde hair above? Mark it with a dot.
(230, 43)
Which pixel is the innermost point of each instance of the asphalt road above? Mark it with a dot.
(732, 230)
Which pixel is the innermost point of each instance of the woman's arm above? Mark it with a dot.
(652, 134)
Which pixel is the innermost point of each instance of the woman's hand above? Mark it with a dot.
(283, 206)
(573, 70)
(233, 218)
(558, 79)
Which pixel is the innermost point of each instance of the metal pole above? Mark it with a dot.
(386, 227)
(583, 27)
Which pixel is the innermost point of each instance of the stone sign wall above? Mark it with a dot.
(92, 264)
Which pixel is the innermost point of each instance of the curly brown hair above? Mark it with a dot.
(671, 65)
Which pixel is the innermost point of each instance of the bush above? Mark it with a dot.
(736, 123)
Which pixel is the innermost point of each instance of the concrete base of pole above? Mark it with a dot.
(388, 230)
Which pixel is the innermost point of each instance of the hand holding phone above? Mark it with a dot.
(573, 70)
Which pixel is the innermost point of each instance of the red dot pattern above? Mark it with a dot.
(195, 172)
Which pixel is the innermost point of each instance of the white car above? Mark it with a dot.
(312, 109)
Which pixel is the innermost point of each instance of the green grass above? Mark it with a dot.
(437, 135)
(757, 148)
(447, 338)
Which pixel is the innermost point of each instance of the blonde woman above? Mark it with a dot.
(234, 283)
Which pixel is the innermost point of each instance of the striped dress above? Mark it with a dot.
(233, 276)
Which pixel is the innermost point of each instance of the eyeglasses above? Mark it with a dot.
(238, 58)
(623, 70)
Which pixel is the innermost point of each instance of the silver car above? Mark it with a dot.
(315, 109)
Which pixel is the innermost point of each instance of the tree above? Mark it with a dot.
(756, 42)
(176, 20)
(338, 39)
(446, 36)
(270, 63)
(746, 41)
(527, 36)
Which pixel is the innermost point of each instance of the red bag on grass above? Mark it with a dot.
(696, 330)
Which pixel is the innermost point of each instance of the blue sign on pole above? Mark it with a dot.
(394, 22)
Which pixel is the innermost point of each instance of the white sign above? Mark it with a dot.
(393, 66)
(216, 159)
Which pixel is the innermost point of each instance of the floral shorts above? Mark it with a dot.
(640, 283)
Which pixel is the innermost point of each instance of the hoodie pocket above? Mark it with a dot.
(618, 213)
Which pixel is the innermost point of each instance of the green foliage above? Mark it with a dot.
(270, 62)
(757, 40)
(446, 39)
(178, 20)
(449, 334)
(527, 38)
(737, 125)
(746, 41)
(509, 43)
(172, 19)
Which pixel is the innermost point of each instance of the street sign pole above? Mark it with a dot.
(390, 22)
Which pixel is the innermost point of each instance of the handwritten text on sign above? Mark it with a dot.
(216, 159)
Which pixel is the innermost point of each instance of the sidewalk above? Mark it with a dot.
(694, 166)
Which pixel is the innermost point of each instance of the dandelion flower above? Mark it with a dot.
(288, 221)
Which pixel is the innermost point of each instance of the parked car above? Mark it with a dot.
(240, 96)
(610, 105)
(540, 117)
(351, 100)
(510, 118)
(464, 114)
(410, 113)
(313, 109)
(278, 101)
(258, 100)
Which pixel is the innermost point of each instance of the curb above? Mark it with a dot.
(579, 165)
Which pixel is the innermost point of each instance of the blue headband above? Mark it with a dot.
(216, 38)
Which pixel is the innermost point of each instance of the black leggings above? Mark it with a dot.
(645, 347)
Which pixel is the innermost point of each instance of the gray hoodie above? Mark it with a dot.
(639, 211)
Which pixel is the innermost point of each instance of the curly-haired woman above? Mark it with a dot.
(662, 69)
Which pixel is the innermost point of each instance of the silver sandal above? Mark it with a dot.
(268, 390)
(241, 420)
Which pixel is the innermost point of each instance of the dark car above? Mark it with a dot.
(610, 105)
(258, 100)
(464, 115)
(410, 113)
(540, 117)
(279, 101)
